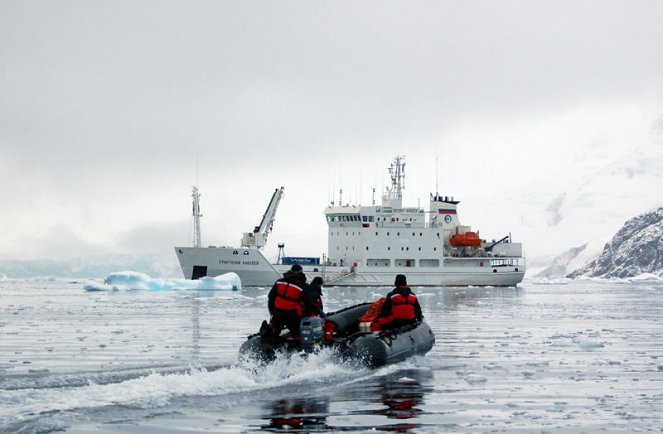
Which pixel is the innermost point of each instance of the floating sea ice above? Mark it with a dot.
(646, 277)
(475, 379)
(588, 345)
(132, 280)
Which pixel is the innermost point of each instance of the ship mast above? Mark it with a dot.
(393, 197)
(196, 217)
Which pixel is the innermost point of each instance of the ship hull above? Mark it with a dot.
(254, 269)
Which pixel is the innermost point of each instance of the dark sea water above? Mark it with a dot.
(566, 356)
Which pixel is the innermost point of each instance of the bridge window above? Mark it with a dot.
(404, 262)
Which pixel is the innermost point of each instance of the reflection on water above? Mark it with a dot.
(391, 402)
(455, 298)
(195, 329)
(401, 396)
(298, 414)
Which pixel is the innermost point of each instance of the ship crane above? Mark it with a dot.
(258, 238)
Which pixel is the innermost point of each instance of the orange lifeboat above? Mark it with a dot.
(468, 239)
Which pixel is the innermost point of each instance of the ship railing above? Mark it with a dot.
(341, 276)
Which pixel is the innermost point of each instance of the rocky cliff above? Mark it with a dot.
(635, 249)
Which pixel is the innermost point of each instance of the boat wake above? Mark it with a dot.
(76, 396)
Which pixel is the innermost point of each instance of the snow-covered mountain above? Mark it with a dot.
(565, 220)
(635, 249)
(92, 267)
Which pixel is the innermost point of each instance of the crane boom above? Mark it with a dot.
(258, 238)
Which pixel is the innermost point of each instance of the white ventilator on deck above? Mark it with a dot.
(258, 238)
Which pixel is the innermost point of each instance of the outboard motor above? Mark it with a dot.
(311, 333)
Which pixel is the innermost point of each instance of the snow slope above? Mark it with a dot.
(565, 220)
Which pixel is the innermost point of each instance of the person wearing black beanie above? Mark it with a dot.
(400, 307)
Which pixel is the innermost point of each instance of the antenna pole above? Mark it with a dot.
(437, 174)
(196, 217)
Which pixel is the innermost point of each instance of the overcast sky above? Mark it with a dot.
(105, 107)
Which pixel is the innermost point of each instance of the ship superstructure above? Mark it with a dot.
(369, 245)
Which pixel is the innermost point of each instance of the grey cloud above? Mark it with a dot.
(96, 91)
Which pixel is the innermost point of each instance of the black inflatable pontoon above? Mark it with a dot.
(373, 348)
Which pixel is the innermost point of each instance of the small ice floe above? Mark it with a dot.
(586, 345)
(406, 380)
(645, 277)
(133, 280)
(475, 379)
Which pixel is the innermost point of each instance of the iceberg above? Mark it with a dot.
(134, 280)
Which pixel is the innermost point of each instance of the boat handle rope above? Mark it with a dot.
(388, 337)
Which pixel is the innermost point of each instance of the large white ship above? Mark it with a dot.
(369, 245)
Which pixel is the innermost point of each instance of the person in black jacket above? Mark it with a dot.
(400, 308)
(312, 298)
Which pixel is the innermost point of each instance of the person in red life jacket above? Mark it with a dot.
(285, 302)
(400, 307)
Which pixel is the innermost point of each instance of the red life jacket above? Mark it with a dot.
(288, 297)
(403, 307)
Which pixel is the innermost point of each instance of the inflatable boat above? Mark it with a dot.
(348, 332)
